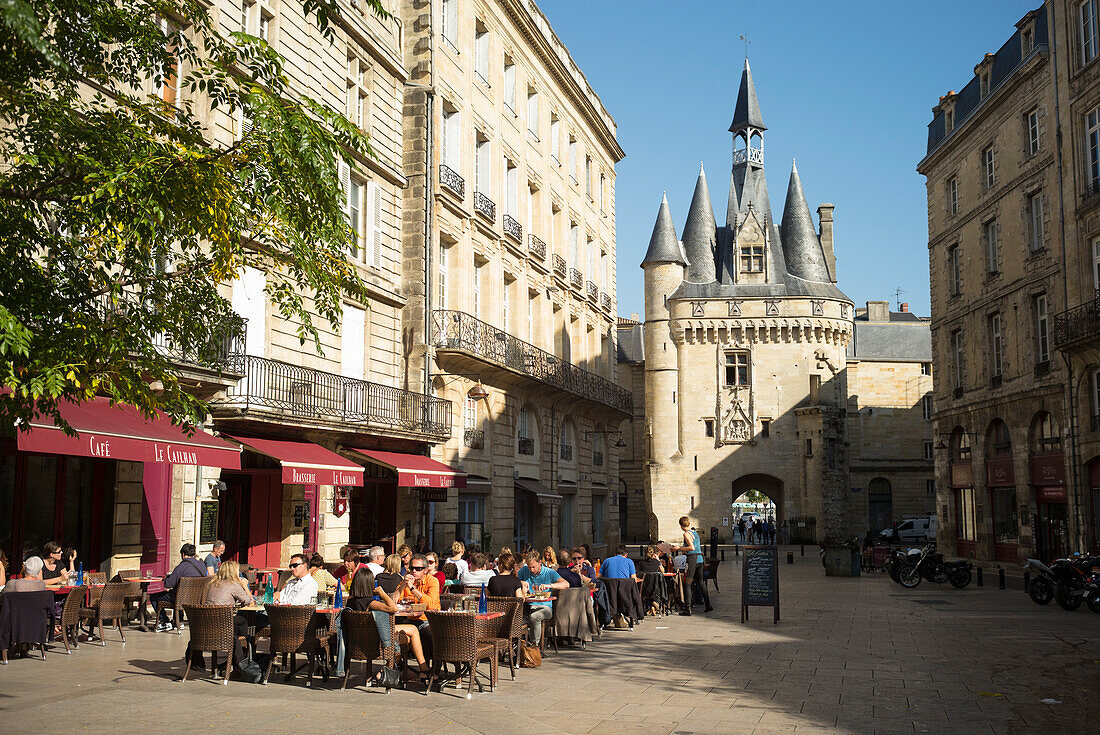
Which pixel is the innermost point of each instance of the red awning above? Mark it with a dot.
(121, 432)
(305, 463)
(414, 470)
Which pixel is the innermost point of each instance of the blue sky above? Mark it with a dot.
(846, 88)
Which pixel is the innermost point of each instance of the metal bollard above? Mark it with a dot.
(803, 547)
(981, 582)
(737, 551)
(723, 554)
(1001, 578)
(1027, 582)
(790, 557)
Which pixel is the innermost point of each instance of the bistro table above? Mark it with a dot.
(143, 604)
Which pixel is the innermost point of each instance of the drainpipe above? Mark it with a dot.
(1071, 405)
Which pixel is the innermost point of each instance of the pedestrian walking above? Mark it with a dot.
(748, 528)
(693, 547)
(741, 527)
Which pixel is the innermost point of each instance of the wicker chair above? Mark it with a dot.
(449, 600)
(362, 643)
(135, 595)
(211, 629)
(70, 617)
(454, 640)
(292, 632)
(189, 591)
(505, 632)
(110, 606)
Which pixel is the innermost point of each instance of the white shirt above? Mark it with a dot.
(299, 591)
(461, 565)
(376, 569)
(478, 578)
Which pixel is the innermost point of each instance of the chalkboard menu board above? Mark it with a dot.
(760, 579)
(208, 522)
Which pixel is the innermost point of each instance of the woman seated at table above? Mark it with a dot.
(433, 568)
(505, 583)
(54, 573)
(458, 549)
(367, 596)
(391, 577)
(549, 557)
(326, 583)
(652, 561)
(228, 587)
(450, 575)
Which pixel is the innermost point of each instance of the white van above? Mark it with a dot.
(912, 530)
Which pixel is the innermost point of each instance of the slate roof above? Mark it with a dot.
(630, 345)
(699, 234)
(663, 245)
(746, 113)
(1005, 62)
(801, 246)
(894, 341)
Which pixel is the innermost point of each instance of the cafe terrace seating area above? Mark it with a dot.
(296, 644)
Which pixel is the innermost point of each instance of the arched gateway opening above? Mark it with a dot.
(760, 494)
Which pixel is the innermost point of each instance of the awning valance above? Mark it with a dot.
(305, 463)
(415, 470)
(121, 432)
(543, 494)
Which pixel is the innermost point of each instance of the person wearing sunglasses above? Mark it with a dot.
(301, 588)
(418, 587)
(580, 565)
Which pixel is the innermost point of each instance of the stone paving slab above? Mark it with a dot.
(853, 656)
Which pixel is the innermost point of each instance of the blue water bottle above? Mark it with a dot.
(80, 574)
(339, 601)
(482, 604)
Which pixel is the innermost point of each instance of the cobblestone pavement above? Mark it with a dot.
(849, 656)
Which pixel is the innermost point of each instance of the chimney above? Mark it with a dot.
(905, 307)
(825, 216)
(878, 311)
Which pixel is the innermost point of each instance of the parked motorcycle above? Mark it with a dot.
(1070, 591)
(932, 566)
(899, 559)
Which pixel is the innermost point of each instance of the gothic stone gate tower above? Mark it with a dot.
(745, 339)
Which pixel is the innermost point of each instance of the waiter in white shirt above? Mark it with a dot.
(301, 589)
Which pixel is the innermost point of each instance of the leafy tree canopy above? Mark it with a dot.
(119, 215)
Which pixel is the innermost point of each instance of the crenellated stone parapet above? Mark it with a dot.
(749, 331)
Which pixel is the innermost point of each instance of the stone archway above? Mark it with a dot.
(767, 485)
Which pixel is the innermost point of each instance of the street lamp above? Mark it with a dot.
(619, 444)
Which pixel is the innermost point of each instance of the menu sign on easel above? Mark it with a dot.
(760, 579)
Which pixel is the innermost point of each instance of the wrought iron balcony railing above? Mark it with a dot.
(593, 291)
(559, 266)
(536, 247)
(1079, 325)
(526, 446)
(513, 228)
(576, 278)
(449, 178)
(473, 438)
(605, 301)
(484, 205)
(566, 452)
(456, 330)
(303, 393)
(213, 352)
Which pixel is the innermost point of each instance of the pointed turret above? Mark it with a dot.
(801, 246)
(699, 234)
(746, 114)
(663, 245)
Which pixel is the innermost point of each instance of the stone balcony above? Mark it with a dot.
(485, 206)
(513, 229)
(470, 345)
(1078, 327)
(450, 179)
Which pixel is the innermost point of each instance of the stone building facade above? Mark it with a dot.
(1013, 277)
(509, 253)
(746, 336)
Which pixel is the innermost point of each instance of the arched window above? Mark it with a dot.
(960, 444)
(756, 142)
(740, 143)
(1045, 435)
(997, 440)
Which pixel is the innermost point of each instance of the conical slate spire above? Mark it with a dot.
(746, 114)
(663, 245)
(699, 234)
(801, 246)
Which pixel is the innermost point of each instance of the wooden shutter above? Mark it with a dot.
(374, 231)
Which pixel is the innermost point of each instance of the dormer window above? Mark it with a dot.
(1027, 41)
(752, 259)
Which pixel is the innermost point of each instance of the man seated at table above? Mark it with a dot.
(375, 557)
(32, 578)
(189, 566)
(418, 587)
(301, 588)
(538, 578)
(214, 559)
(619, 566)
(479, 573)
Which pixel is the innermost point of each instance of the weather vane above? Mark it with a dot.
(747, 42)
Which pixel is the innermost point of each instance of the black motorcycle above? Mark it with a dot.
(898, 560)
(932, 566)
(1072, 573)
